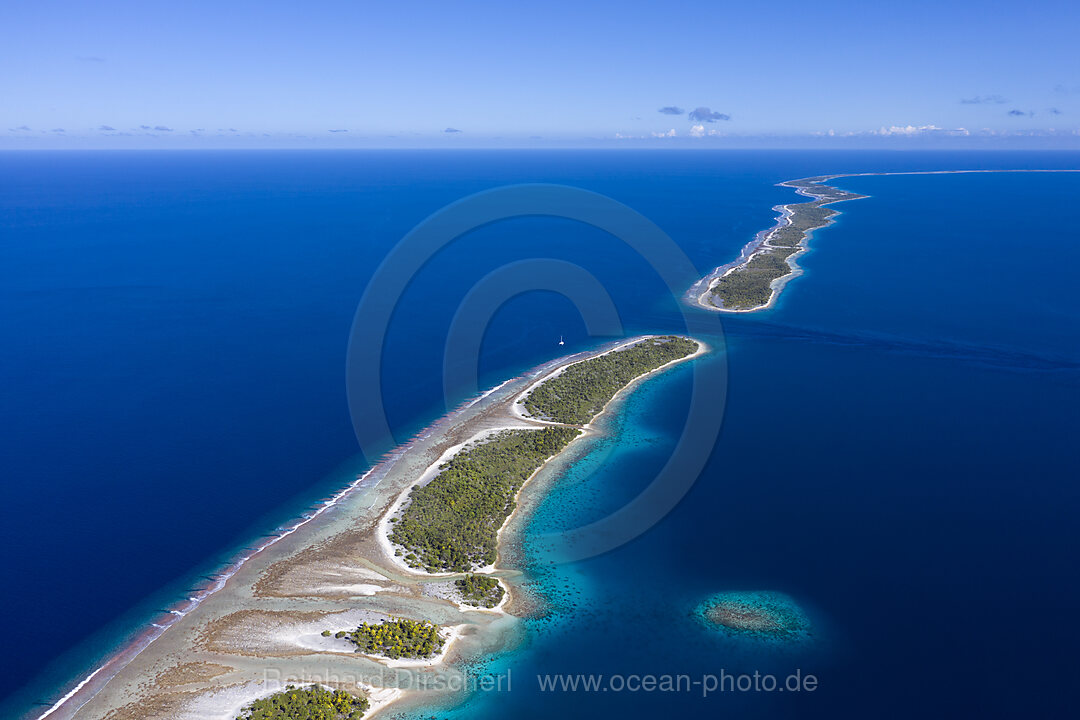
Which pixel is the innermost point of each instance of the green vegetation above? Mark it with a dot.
(312, 703)
(749, 286)
(804, 218)
(452, 522)
(398, 638)
(823, 194)
(480, 590)
(577, 394)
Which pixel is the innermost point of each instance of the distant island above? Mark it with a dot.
(757, 277)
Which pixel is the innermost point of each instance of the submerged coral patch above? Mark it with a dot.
(769, 616)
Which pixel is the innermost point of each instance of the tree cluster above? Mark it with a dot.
(398, 638)
(311, 703)
(480, 590)
(751, 285)
(451, 524)
(580, 391)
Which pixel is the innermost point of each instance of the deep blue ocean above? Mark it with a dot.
(898, 451)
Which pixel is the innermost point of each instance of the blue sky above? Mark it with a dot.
(360, 74)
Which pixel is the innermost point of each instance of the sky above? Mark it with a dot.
(553, 73)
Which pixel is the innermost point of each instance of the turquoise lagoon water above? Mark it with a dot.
(896, 455)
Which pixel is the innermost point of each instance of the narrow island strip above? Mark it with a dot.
(755, 280)
(329, 593)
(451, 522)
(767, 263)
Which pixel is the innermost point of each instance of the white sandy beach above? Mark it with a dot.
(523, 421)
(259, 622)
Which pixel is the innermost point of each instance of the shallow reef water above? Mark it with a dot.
(758, 615)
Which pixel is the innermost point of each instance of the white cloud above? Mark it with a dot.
(908, 130)
(700, 131)
(669, 133)
(912, 130)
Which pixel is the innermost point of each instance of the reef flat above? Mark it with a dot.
(327, 607)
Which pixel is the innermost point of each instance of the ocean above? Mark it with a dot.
(897, 451)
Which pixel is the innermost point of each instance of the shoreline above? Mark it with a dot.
(762, 245)
(517, 413)
(85, 688)
(119, 659)
(589, 430)
(702, 292)
(242, 619)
